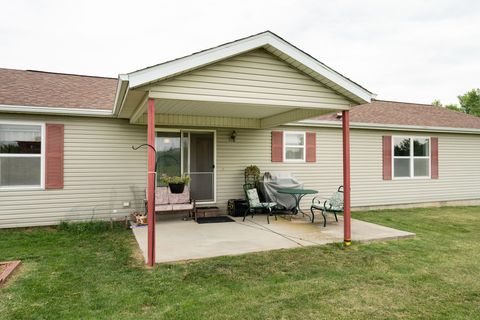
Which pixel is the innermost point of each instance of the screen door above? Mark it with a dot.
(198, 148)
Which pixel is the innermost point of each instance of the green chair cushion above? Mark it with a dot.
(253, 199)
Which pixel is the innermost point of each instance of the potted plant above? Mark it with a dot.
(252, 174)
(175, 183)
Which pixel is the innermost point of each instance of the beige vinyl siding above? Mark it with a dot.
(254, 147)
(459, 156)
(101, 172)
(459, 174)
(255, 77)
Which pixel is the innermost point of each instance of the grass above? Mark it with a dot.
(87, 272)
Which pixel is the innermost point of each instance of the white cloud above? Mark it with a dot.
(402, 50)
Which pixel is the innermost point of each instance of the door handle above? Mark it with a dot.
(213, 166)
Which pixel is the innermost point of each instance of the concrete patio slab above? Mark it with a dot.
(178, 240)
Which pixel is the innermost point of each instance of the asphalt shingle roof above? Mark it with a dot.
(46, 89)
(409, 114)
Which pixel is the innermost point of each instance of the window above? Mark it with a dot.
(168, 149)
(21, 155)
(411, 157)
(294, 146)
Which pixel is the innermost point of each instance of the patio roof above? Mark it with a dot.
(257, 82)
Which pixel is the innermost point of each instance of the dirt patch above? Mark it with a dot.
(6, 270)
(137, 254)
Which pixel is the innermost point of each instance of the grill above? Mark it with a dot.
(271, 182)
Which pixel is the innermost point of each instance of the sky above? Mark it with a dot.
(412, 51)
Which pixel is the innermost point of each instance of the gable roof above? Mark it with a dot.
(267, 40)
(392, 113)
(56, 90)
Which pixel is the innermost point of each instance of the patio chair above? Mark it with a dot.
(334, 205)
(254, 203)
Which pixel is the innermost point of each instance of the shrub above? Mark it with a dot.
(97, 226)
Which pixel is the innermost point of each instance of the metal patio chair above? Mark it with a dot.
(334, 204)
(254, 203)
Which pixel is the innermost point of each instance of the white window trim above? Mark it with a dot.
(42, 157)
(412, 158)
(294, 146)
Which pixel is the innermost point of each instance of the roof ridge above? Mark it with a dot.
(60, 73)
(403, 102)
(70, 74)
(443, 108)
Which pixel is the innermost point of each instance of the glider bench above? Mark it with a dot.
(166, 201)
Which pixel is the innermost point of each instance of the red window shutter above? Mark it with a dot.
(54, 156)
(434, 157)
(277, 146)
(311, 151)
(387, 158)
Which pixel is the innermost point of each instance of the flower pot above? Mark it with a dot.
(176, 187)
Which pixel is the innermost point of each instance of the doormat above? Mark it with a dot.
(217, 219)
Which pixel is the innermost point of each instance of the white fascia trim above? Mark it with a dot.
(155, 73)
(57, 111)
(377, 126)
(121, 93)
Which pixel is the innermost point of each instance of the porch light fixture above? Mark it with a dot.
(233, 136)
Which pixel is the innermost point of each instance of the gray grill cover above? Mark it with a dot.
(271, 182)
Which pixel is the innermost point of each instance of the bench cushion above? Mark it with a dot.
(182, 206)
(161, 195)
(183, 197)
(163, 207)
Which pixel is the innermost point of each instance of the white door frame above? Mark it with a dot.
(181, 131)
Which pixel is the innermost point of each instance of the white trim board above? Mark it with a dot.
(56, 110)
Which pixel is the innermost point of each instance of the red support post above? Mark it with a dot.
(346, 177)
(151, 182)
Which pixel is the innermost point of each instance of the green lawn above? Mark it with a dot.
(96, 274)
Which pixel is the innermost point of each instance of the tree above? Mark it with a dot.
(470, 102)
(453, 106)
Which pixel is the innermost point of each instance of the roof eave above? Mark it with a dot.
(381, 126)
(56, 110)
(122, 90)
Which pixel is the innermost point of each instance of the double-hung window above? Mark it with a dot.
(21, 155)
(294, 146)
(411, 157)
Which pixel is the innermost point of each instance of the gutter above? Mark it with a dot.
(377, 126)
(56, 111)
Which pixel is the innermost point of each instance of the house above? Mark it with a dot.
(66, 140)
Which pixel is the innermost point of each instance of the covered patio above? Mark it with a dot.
(255, 83)
(178, 240)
